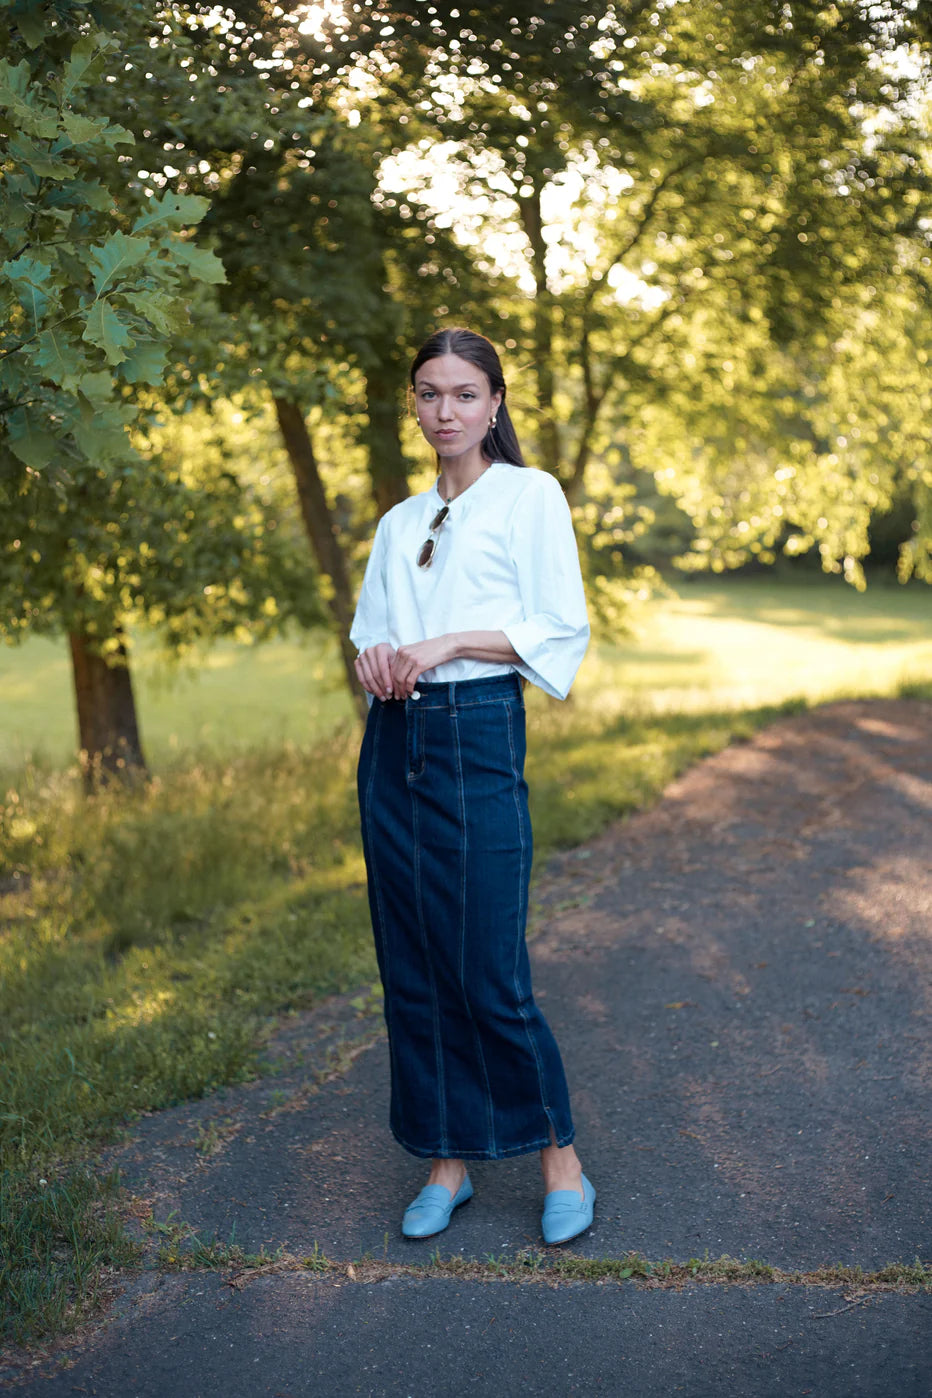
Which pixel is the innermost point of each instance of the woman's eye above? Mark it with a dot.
(468, 396)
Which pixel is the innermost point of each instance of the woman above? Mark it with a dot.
(470, 586)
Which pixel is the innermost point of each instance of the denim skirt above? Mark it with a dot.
(476, 1072)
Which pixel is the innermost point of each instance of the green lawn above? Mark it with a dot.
(738, 643)
(228, 699)
(723, 643)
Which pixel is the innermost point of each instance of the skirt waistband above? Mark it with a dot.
(457, 694)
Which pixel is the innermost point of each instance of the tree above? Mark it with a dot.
(94, 534)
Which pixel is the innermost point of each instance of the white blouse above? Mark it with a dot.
(505, 560)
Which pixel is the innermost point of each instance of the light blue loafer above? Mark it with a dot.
(566, 1215)
(431, 1211)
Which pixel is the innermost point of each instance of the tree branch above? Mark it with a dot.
(629, 244)
(14, 349)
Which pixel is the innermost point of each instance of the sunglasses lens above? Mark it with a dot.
(427, 549)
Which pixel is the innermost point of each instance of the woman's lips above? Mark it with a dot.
(445, 432)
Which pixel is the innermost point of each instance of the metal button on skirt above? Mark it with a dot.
(476, 1072)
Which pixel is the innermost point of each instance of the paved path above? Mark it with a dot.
(740, 983)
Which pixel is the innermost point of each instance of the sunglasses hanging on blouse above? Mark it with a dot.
(426, 552)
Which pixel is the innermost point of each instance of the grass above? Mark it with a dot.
(185, 1251)
(150, 939)
(231, 699)
(741, 643)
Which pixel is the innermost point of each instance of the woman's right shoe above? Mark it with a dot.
(431, 1211)
(566, 1214)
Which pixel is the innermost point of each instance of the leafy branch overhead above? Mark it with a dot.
(101, 529)
(90, 297)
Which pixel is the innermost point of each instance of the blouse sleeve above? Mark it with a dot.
(370, 624)
(552, 638)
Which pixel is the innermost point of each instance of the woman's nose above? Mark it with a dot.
(446, 408)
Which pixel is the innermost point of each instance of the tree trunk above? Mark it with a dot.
(549, 432)
(108, 731)
(388, 469)
(593, 398)
(318, 521)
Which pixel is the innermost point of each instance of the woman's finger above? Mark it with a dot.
(384, 660)
(404, 674)
(367, 670)
(363, 673)
(377, 663)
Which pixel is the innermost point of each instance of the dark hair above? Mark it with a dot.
(500, 442)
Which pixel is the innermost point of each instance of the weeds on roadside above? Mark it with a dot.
(58, 1236)
(533, 1266)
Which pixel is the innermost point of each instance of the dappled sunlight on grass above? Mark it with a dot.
(149, 932)
(139, 1009)
(582, 776)
(739, 643)
(227, 698)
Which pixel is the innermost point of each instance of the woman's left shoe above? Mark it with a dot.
(566, 1215)
(431, 1211)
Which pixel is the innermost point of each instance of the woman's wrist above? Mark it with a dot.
(480, 645)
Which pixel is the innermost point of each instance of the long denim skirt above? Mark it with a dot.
(476, 1072)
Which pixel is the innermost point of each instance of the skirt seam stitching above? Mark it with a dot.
(519, 928)
(425, 945)
(490, 1116)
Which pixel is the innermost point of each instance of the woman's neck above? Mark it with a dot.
(458, 474)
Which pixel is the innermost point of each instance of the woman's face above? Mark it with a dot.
(454, 404)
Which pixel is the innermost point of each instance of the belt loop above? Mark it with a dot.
(452, 698)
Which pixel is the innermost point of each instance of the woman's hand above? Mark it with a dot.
(374, 670)
(410, 662)
(393, 674)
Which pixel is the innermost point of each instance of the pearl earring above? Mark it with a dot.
(492, 421)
